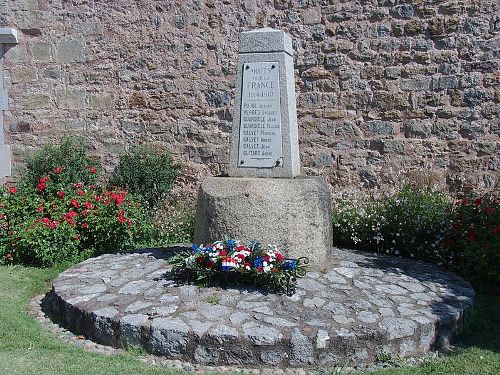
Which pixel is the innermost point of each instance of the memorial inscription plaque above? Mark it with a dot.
(260, 144)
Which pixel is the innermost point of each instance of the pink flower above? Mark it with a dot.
(12, 190)
(85, 225)
(40, 208)
(88, 205)
(80, 192)
(75, 203)
(92, 169)
(61, 194)
(57, 170)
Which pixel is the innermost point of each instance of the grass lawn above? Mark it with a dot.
(26, 348)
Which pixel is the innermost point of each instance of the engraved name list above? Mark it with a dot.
(260, 143)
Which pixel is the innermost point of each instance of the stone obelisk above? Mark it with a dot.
(265, 198)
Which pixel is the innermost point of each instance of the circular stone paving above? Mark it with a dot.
(358, 306)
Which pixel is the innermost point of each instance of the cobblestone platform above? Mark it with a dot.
(356, 307)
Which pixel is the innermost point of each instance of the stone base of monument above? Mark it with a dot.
(290, 212)
(361, 305)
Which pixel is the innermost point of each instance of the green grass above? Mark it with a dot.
(26, 348)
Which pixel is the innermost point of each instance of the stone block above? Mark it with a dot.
(169, 337)
(378, 127)
(403, 11)
(73, 98)
(70, 51)
(41, 51)
(417, 128)
(415, 84)
(23, 74)
(291, 212)
(17, 54)
(101, 101)
(35, 100)
(312, 16)
(265, 40)
(444, 82)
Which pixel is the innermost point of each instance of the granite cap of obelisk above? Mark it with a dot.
(265, 40)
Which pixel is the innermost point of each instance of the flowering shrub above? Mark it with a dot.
(249, 263)
(146, 170)
(412, 223)
(425, 224)
(70, 155)
(56, 221)
(472, 246)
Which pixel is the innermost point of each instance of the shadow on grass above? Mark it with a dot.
(482, 330)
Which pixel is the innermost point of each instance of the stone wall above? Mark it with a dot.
(385, 88)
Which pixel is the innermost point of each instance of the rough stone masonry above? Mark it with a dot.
(385, 88)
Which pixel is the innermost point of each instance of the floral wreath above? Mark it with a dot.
(222, 260)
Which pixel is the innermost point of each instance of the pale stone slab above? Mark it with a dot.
(263, 49)
(260, 118)
(5, 161)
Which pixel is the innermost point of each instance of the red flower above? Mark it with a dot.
(76, 237)
(88, 205)
(276, 270)
(61, 194)
(223, 253)
(92, 169)
(43, 180)
(456, 226)
(260, 269)
(12, 190)
(121, 217)
(496, 230)
(75, 203)
(279, 257)
(209, 264)
(57, 170)
(471, 235)
(40, 208)
(85, 213)
(80, 192)
(71, 214)
(490, 210)
(465, 202)
(85, 225)
(41, 186)
(200, 259)
(477, 202)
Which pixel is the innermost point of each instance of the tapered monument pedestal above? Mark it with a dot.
(292, 212)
